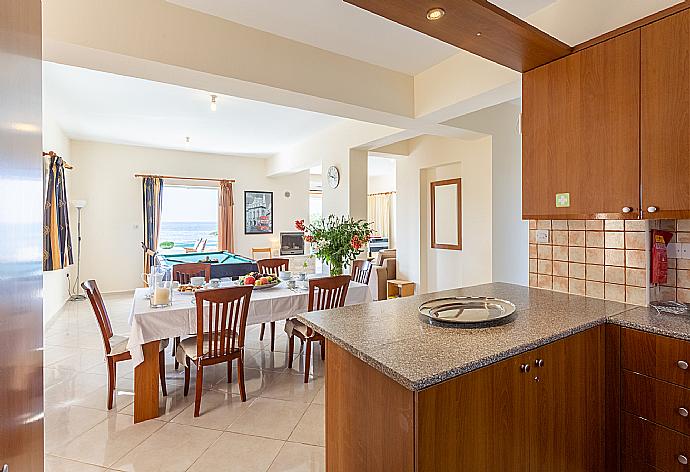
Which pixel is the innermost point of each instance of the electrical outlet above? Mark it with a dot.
(542, 236)
(684, 251)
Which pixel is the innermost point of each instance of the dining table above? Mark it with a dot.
(149, 325)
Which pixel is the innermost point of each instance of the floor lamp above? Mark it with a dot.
(79, 205)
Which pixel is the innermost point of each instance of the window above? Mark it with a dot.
(188, 214)
(315, 205)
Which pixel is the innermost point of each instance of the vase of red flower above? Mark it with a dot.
(337, 240)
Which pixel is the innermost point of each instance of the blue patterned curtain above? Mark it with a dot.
(57, 240)
(153, 202)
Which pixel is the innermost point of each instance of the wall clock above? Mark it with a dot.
(333, 175)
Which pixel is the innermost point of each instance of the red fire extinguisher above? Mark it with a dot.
(660, 240)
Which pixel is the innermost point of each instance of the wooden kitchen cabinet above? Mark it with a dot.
(476, 421)
(665, 107)
(503, 417)
(580, 133)
(655, 402)
(542, 410)
(566, 408)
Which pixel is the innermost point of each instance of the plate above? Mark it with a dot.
(259, 287)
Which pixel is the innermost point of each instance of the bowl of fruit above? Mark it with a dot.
(259, 281)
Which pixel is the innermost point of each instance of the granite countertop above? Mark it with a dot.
(391, 337)
(647, 319)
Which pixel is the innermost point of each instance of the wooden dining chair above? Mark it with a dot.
(223, 341)
(261, 250)
(361, 271)
(116, 346)
(324, 294)
(271, 267)
(183, 273)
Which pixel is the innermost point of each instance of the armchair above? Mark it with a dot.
(383, 270)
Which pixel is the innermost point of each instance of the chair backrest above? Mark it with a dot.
(361, 271)
(272, 266)
(261, 250)
(227, 320)
(328, 292)
(99, 310)
(384, 254)
(201, 245)
(184, 272)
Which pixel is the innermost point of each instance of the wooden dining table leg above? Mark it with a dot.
(146, 384)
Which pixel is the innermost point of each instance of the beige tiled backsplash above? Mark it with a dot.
(606, 259)
(597, 258)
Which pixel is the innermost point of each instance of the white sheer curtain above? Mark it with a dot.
(379, 211)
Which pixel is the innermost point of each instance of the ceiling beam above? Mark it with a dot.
(476, 26)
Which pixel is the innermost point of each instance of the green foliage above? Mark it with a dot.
(336, 239)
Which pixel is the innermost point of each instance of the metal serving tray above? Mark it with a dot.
(467, 312)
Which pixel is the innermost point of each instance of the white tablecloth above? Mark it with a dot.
(274, 304)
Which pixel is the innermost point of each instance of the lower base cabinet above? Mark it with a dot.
(542, 410)
(655, 402)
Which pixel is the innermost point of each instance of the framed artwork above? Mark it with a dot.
(258, 212)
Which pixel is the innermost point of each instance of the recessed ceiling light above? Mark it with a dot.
(435, 14)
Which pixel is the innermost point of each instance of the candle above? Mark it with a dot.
(161, 296)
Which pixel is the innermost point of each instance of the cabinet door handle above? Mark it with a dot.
(683, 365)
(524, 368)
(652, 209)
(627, 210)
(682, 459)
(539, 363)
(683, 412)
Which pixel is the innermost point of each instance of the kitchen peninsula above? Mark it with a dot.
(538, 393)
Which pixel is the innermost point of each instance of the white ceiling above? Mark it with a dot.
(99, 106)
(342, 28)
(335, 26)
(522, 8)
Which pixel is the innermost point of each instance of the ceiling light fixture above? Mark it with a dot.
(435, 14)
(214, 106)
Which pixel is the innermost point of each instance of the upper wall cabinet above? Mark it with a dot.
(665, 131)
(580, 125)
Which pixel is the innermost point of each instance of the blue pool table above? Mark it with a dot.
(223, 263)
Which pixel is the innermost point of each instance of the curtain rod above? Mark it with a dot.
(53, 154)
(183, 178)
(381, 193)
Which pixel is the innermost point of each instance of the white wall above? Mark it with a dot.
(112, 220)
(381, 183)
(435, 269)
(55, 282)
(510, 233)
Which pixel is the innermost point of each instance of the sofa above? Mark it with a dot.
(383, 270)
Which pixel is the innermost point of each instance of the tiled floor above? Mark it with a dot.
(279, 428)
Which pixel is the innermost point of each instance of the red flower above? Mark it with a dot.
(309, 238)
(355, 242)
(299, 224)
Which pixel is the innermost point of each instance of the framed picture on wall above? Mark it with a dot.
(258, 212)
